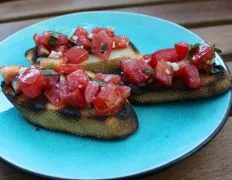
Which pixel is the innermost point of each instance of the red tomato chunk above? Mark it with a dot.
(109, 78)
(76, 55)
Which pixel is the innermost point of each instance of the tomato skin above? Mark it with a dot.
(9, 72)
(76, 55)
(108, 102)
(192, 77)
(45, 37)
(69, 68)
(109, 78)
(108, 31)
(102, 45)
(31, 82)
(84, 41)
(78, 80)
(168, 55)
(164, 73)
(91, 91)
(203, 56)
(76, 99)
(180, 72)
(49, 81)
(182, 49)
(120, 42)
(124, 91)
(36, 39)
(134, 71)
(80, 31)
(147, 58)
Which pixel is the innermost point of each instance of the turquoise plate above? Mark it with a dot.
(168, 132)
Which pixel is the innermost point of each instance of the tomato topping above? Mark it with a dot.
(50, 81)
(78, 79)
(120, 42)
(147, 58)
(62, 40)
(42, 50)
(191, 76)
(80, 31)
(109, 101)
(164, 73)
(108, 31)
(109, 78)
(76, 55)
(124, 91)
(168, 55)
(180, 70)
(36, 39)
(31, 82)
(91, 91)
(182, 49)
(69, 68)
(102, 45)
(45, 37)
(83, 41)
(76, 99)
(58, 93)
(203, 56)
(60, 48)
(136, 72)
(50, 63)
(9, 72)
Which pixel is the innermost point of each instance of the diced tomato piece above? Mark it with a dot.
(60, 48)
(203, 56)
(76, 55)
(80, 31)
(120, 42)
(109, 78)
(78, 79)
(62, 40)
(9, 72)
(164, 73)
(76, 99)
(69, 68)
(168, 55)
(182, 49)
(42, 50)
(108, 31)
(191, 76)
(124, 91)
(147, 58)
(102, 45)
(45, 37)
(136, 72)
(180, 71)
(50, 80)
(50, 63)
(36, 39)
(31, 82)
(108, 102)
(84, 41)
(91, 91)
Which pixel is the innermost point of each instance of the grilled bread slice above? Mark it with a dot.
(94, 63)
(78, 122)
(211, 85)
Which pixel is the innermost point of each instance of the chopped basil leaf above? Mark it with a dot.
(216, 49)
(49, 66)
(72, 42)
(52, 40)
(149, 71)
(44, 55)
(49, 72)
(192, 48)
(104, 47)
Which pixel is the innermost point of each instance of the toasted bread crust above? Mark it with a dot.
(212, 85)
(74, 121)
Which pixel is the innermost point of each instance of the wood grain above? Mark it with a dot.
(190, 14)
(26, 9)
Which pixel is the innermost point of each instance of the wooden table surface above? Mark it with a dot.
(211, 19)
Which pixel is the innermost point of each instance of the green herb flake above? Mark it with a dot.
(217, 69)
(104, 47)
(52, 40)
(149, 71)
(192, 48)
(216, 49)
(49, 72)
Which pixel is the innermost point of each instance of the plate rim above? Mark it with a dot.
(150, 171)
